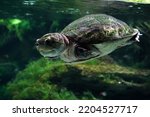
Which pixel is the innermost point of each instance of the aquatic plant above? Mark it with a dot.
(13, 28)
(19, 26)
(34, 83)
(46, 79)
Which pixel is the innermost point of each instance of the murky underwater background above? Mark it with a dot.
(25, 74)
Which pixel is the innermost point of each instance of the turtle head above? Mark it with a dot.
(52, 44)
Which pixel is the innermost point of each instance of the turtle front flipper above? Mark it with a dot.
(78, 53)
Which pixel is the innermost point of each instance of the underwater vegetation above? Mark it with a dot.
(45, 79)
(10, 28)
(12, 36)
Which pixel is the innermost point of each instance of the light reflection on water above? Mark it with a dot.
(28, 8)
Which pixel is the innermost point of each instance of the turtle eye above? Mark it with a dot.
(48, 42)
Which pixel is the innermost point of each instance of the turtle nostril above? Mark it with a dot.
(36, 43)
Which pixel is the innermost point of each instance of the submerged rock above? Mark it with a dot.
(44, 79)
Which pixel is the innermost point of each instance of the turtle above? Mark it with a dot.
(88, 37)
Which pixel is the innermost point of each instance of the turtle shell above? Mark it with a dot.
(97, 28)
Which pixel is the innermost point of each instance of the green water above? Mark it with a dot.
(25, 74)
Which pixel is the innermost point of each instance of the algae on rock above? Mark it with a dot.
(45, 79)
